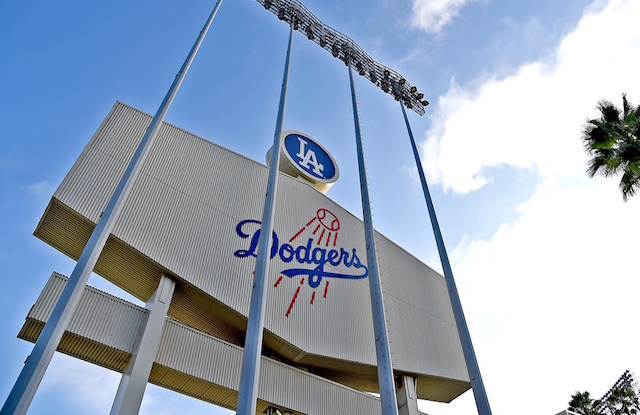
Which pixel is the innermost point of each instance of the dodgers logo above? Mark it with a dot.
(309, 156)
(310, 258)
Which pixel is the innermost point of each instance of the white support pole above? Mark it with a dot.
(33, 371)
(250, 370)
(136, 375)
(383, 353)
(408, 396)
(479, 392)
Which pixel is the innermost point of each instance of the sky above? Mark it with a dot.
(544, 256)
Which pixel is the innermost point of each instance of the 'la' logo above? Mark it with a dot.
(305, 157)
(308, 156)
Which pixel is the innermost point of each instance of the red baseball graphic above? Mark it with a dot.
(328, 221)
(330, 225)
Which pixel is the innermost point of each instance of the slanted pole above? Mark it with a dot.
(250, 371)
(407, 395)
(26, 385)
(136, 375)
(480, 394)
(386, 380)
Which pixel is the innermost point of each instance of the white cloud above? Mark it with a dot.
(432, 15)
(551, 299)
(533, 119)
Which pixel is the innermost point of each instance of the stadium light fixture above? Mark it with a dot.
(348, 51)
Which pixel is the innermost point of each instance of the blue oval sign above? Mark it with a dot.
(309, 157)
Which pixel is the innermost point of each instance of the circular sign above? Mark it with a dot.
(310, 158)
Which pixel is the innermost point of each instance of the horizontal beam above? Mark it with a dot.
(104, 329)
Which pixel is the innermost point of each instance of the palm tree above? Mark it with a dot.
(624, 400)
(613, 143)
(582, 403)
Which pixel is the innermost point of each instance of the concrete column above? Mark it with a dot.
(136, 375)
(407, 396)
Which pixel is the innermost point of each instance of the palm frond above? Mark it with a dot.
(630, 151)
(609, 112)
(604, 162)
(630, 181)
(597, 136)
(635, 128)
(626, 107)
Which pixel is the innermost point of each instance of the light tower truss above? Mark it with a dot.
(348, 51)
(626, 381)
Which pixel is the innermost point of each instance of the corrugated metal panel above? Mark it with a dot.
(104, 329)
(99, 316)
(422, 325)
(181, 219)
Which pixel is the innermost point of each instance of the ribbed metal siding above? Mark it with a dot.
(186, 226)
(422, 326)
(182, 215)
(189, 361)
(216, 361)
(99, 316)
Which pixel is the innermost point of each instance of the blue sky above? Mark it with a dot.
(544, 256)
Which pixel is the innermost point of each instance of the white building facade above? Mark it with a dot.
(194, 216)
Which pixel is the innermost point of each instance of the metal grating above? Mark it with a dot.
(344, 48)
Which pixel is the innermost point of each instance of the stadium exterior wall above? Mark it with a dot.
(104, 330)
(193, 214)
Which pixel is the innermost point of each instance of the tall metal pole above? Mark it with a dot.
(386, 380)
(480, 394)
(36, 365)
(250, 371)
